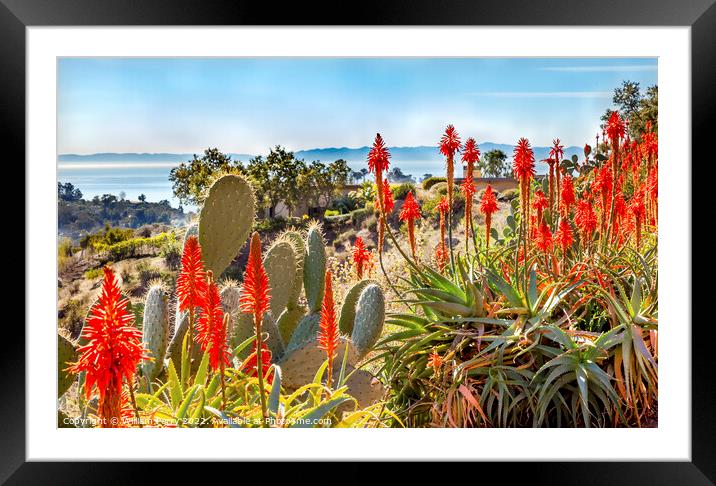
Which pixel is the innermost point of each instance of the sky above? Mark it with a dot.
(247, 105)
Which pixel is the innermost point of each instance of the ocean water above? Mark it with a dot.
(132, 178)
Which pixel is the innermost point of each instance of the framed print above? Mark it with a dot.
(446, 228)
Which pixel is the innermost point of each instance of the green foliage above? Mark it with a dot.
(494, 164)
(401, 191)
(190, 180)
(431, 181)
(331, 212)
(133, 247)
(635, 106)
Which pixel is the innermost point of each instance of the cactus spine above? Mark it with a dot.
(314, 270)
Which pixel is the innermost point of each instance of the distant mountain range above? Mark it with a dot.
(413, 160)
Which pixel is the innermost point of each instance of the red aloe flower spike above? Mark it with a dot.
(191, 283)
(615, 128)
(585, 219)
(470, 156)
(539, 204)
(113, 350)
(255, 300)
(378, 162)
(388, 202)
(251, 365)
(449, 144)
(564, 235)
(468, 190)
(409, 213)
(440, 257)
(567, 195)
(544, 238)
(210, 331)
(638, 211)
(557, 153)
(488, 206)
(435, 361)
(361, 256)
(328, 338)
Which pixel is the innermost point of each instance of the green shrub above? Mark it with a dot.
(171, 252)
(94, 273)
(331, 212)
(439, 188)
(508, 195)
(429, 205)
(431, 181)
(401, 190)
(360, 215)
(134, 247)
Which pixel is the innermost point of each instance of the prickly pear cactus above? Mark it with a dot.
(306, 331)
(175, 345)
(191, 230)
(299, 251)
(301, 364)
(244, 329)
(155, 330)
(314, 268)
(225, 221)
(348, 310)
(364, 387)
(288, 321)
(369, 318)
(66, 354)
(281, 268)
(230, 297)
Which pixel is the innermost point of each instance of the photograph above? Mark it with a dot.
(357, 242)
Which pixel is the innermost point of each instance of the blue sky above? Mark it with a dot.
(184, 105)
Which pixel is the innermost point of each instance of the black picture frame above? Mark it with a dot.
(700, 15)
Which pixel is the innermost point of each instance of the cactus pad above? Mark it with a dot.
(155, 331)
(348, 310)
(66, 354)
(370, 316)
(225, 221)
(281, 268)
(244, 329)
(314, 268)
(364, 387)
(306, 331)
(230, 297)
(300, 365)
(288, 320)
(299, 251)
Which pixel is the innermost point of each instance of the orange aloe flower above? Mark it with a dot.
(449, 144)
(191, 282)
(544, 238)
(113, 350)
(488, 206)
(566, 196)
(435, 361)
(361, 256)
(539, 204)
(328, 338)
(210, 329)
(564, 236)
(255, 299)
(409, 213)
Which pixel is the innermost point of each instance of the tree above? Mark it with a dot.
(274, 178)
(426, 176)
(397, 175)
(637, 108)
(142, 198)
(122, 195)
(192, 178)
(68, 192)
(494, 164)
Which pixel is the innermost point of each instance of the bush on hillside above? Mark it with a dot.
(431, 181)
(401, 190)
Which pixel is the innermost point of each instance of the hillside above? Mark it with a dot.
(75, 217)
